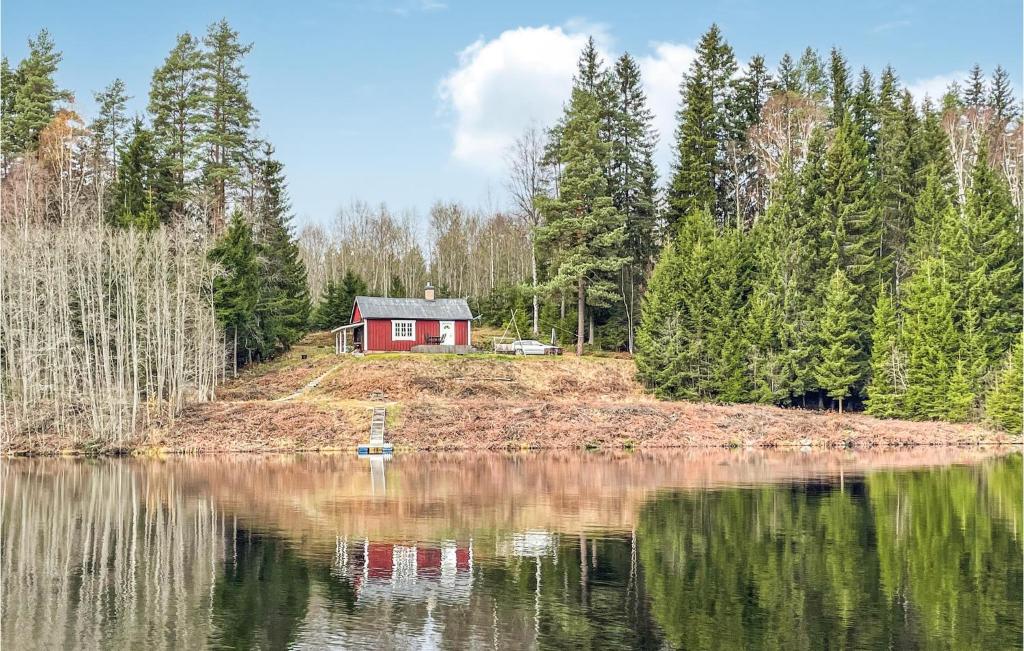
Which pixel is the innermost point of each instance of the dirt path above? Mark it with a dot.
(310, 385)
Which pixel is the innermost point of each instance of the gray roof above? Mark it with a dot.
(443, 309)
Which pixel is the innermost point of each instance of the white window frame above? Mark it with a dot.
(401, 322)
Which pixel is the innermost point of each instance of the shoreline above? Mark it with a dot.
(311, 400)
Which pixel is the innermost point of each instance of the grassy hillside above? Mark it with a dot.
(311, 398)
(493, 401)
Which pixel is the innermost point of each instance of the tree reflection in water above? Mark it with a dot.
(687, 549)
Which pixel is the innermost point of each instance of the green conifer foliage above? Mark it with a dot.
(582, 222)
(35, 96)
(673, 349)
(176, 98)
(974, 94)
(930, 340)
(839, 369)
(839, 86)
(1000, 97)
(851, 232)
(993, 259)
(226, 114)
(702, 128)
(236, 289)
(787, 79)
(728, 288)
(884, 390)
(959, 396)
(1003, 407)
(111, 124)
(134, 196)
(284, 305)
(813, 79)
(335, 308)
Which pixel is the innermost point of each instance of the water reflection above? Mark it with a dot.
(687, 549)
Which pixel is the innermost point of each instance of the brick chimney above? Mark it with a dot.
(428, 292)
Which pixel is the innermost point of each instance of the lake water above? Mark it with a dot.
(675, 549)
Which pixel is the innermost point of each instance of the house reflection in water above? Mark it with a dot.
(418, 572)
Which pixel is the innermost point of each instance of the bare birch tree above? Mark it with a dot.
(529, 178)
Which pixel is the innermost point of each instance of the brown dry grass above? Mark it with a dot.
(490, 401)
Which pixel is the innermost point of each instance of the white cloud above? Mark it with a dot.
(417, 6)
(934, 87)
(890, 26)
(504, 84)
(524, 75)
(662, 71)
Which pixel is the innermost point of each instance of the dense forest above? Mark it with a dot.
(824, 238)
(146, 256)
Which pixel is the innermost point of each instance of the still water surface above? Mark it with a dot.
(682, 549)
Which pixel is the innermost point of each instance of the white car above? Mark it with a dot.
(534, 347)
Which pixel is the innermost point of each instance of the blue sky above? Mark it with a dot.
(412, 101)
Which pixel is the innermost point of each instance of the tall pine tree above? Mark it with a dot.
(583, 226)
(703, 125)
(176, 97)
(227, 115)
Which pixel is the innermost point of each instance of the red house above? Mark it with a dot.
(425, 324)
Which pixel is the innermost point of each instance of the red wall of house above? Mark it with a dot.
(356, 317)
(378, 334)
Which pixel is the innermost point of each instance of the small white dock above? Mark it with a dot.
(377, 444)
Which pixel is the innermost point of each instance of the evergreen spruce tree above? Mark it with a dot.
(741, 185)
(840, 368)
(176, 97)
(134, 195)
(728, 290)
(8, 88)
(227, 116)
(584, 230)
(395, 288)
(785, 278)
(932, 146)
(930, 341)
(36, 95)
(959, 394)
(993, 259)
(672, 355)
(236, 289)
(1000, 97)
(284, 306)
(863, 106)
(111, 123)
(633, 179)
(933, 209)
(787, 79)
(335, 306)
(813, 80)
(851, 233)
(893, 190)
(801, 334)
(703, 123)
(839, 86)
(974, 94)
(1003, 406)
(883, 390)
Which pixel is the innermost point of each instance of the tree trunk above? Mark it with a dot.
(533, 270)
(581, 306)
(840, 405)
(590, 329)
(234, 355)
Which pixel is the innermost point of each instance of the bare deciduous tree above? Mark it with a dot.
(529, 178)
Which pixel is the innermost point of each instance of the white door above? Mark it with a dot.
(447, 333)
